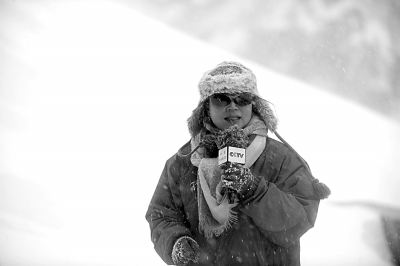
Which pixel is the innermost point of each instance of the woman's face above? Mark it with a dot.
(226, 110)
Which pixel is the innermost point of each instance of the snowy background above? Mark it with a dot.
(94, 98)
(348, 47)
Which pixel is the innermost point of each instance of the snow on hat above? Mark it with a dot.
(231, 78)
(227, 77)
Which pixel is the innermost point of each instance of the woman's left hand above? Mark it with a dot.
(238, 178)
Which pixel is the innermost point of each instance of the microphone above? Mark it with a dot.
(232, 144)
(231, 154)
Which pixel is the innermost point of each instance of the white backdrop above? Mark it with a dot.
(94, 99)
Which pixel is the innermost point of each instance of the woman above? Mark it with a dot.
(193, 217)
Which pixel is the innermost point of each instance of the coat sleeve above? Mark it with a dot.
(165, 215)
(285, 207)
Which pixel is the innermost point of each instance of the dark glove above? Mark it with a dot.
(185, 250)
(239, 179)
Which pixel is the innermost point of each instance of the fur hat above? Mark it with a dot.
(232, 78)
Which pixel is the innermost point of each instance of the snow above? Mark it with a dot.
(94, 99)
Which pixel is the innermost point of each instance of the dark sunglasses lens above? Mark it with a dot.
(220, 100)
(242, 100)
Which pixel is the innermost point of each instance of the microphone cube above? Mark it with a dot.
(232, 154)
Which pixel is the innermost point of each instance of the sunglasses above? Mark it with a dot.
(222, 99)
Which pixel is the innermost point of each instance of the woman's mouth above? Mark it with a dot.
(232, 119)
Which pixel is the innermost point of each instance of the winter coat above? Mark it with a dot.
(269, 225)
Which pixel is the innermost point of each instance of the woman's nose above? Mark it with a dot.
(232, 106)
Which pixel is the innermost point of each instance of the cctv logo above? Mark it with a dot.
(236, 154)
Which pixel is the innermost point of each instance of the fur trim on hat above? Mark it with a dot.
(262, 108)
(227, 77)
(196, 120)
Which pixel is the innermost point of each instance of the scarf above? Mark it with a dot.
(215, 211)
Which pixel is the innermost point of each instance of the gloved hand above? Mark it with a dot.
(239, 179)
(185, 250)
